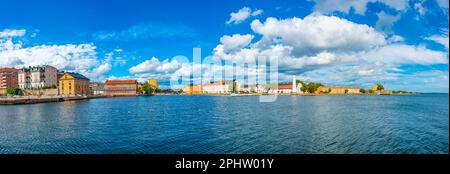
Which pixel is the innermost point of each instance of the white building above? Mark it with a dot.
(296, 87)
(216, 88)
(287, 88)
(38, 77)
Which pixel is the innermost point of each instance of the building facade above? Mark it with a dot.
(251, 88)
(337, 90)
(121, 87)
(285, 88)
(97, 88)
(219, 87)
(73, 84)
(192, 89)
(38, 77)
(9, 78)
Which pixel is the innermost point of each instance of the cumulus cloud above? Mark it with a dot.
(243, 14)
(395, 38)
(100, 70)
(235, 41)
(316, 33)
(317, 48)
(406, 54)
(155, 66)
(80, 58)
(332, 50)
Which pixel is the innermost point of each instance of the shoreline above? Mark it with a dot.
(52, 99)
(43, 99)
(243, 95)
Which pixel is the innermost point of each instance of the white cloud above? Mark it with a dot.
(12, 33)
(154, 66)
(81, 58)
(257, 12)
(422, 81)
(316, 33)
(330, 6)
(440, 39)
(243, 14)
(420, 8)
(405, 54)
(332, 51)
(395, 38)
(100, 70)
(235, 41)
(386, 21)
(398, 5)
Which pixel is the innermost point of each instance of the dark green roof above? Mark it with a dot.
(77, 76)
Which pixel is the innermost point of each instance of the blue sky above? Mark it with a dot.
(400, 43)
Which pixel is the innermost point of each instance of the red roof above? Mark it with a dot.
(285, 86)
(118, 82)
(9, 70)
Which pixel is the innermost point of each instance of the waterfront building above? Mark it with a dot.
(285, 88)
(97, 88)
(252, 88)
(121, 87)
(153, 83)
(73, 84)
(296, 87)
(220, 87)
(337, 90)
(38, 77)
(9, 78)
(192, 89)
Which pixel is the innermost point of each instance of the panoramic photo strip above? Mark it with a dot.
(209, 85)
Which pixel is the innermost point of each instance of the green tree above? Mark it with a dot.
(13, 91)
(312, 87)
(363, 91)
(380, 87)
(234, 87)
(147, 88)
(303, 88)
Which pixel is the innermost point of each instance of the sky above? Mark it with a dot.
(402, 44)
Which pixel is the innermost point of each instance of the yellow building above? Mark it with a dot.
(153, 83)
(73, 84)
(192, 89)
(337, 90)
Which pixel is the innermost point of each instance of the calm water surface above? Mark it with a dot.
(207, 124)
